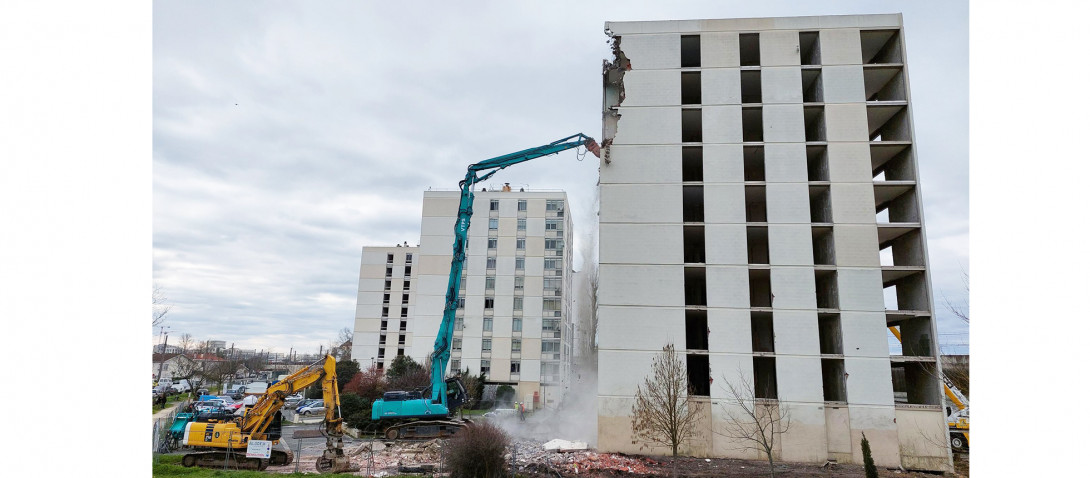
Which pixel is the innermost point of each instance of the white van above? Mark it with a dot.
(256, 388)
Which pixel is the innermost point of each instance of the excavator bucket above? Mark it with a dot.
(593, 147)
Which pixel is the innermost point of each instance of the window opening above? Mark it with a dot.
(757, 244)
(756, 206)
(690, 51)
(809, 48)
(694, 244)
(696, 286)
(691, 126)
(751, 86)
(753, 163)
(699, 372)
(693, 203)
(760, 288)
(752, 124)
(690, 88)
(692, 163)
(749, 49)
(696, 330)
(764, 377)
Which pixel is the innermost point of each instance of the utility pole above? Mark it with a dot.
(162, 352)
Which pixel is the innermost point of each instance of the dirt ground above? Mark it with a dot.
(376, 458)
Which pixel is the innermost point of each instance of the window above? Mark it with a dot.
(389, 258)
(459, 323)
(408, 258)
(486, 366)
(516, 324)
(383, 326)
(404, 298)
(405, 285)
(520, 263)
(554, 244)
(456, 364)
(554, 205)
(461, 302)
(490, 282)
(489, 302)
(494, 205)
(518, 303)
(520, 244)
(550, 347)
(550, 325)
(386, 298)
(516, 345)
(522, 224)
(690, 51)
(552, 263)
(487, 327)
(515, 367)
(550, 304)
(522, 204)
(553, 283)
(492, 242)
(389, 271)
(408, 271)
(493, 223)
(553, 225)
(519, 282)
(490, 263)
(387, 286)
(385, 311)
(404, 312)
(486, 345)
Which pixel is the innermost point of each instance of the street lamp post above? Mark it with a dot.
(162, 352)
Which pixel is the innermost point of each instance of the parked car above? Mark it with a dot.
(209, 405)
(313, 408)
(293, 401)
(161, 389)
(181, 386)
(304, 404)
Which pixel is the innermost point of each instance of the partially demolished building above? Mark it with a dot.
(760, 210)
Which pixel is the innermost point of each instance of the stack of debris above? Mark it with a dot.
(568, 457)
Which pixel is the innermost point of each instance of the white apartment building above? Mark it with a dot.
(514, 319)
(384, 305)
(760, 210)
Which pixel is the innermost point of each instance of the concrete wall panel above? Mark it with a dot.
(864, 334)
(790, 244)
(842, 84)
(784, 124)
(850, 162)
(728, 286)
(723, 204)
(793, 288)
(653, 285)
(860, 289)
(785, 162)
(639, 243)
(846, 122)
(624, 328)
(723, 163)
(796, 333)
(722, 124)
(870, 382)
(779, 48)
(651, 125)
(620, 371)
(641, 203)
(805, 438)
(720, 86)
(643, 164)
(782, 85)
(729, 333)
(878, 423)
(856, 245)
(649, 52)
(788, 203)
(840, 47)
(654, 88)
(853, 203)
(725, 244)
(718, 49)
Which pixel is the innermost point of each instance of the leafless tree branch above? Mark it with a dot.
(753, 424)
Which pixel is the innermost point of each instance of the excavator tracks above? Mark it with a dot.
(281, 455)
(421, 429)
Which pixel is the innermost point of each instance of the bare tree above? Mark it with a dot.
(960, 311)
(159, 306)
(753, 423)
(662, 413)
(185, 342)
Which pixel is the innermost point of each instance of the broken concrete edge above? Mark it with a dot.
(612, 91)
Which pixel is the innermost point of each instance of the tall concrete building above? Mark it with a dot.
(760, 210)
(384, 305)
(514, 319)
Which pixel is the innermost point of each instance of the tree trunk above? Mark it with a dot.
(771, 467)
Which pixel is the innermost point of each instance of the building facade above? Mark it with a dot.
(760, 210)
(384, 305)
(513, 322)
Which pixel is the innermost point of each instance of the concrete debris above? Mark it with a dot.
(534, 456)
(564, 445)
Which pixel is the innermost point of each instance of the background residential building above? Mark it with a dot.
(760, 210)
(384, 305)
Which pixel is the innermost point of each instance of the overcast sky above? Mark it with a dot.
(289, 134)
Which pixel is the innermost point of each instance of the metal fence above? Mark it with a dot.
(161, 441)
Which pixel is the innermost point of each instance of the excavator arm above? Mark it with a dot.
(258, 418)
(476, 173)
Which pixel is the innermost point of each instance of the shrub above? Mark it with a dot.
(505, 394)
(476, 451)
(868, 461)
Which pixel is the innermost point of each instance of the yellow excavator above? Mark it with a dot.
(218, 444)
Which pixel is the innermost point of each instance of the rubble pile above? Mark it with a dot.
(554, 456)
(402, 457)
